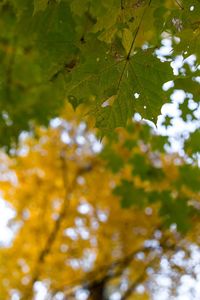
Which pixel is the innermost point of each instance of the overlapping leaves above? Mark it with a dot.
(89, 43)
(155, 178)
(118, 87)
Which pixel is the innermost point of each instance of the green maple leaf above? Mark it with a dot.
(129, 194)
(114, 160)
(190, 177)
(175, 211)
(133, 85)
(143, 168)
(87, 44)
(139, 89)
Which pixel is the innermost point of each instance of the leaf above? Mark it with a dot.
(190, 177)
(40, 5)
(106, 14)
(40, 39)
(158, 143)
(138, 89)
(129, 194)
(142, 167)
(175, 211)
(192, 144)
(127, 38)
(114, 161)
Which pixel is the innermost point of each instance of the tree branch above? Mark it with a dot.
(57, 225)
(113, 270)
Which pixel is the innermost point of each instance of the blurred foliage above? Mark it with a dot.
(72, 235)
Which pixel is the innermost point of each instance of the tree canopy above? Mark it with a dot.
(73, 235)
(104, 55)
(100, 144)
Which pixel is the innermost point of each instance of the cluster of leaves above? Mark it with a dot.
(144, 154)
(69, 219)
(99, 54)
(106, 59)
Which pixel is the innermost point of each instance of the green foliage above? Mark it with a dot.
(139, 80)
(156, 176)
(192, 144)
(186, 112)
(175, 211)
(190, 177)
(105, 63)
(142, 167)
(101, 55)
(40, 5)
(130, 195)
(114, 161)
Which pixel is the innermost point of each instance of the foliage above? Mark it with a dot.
(103, 55)
(93, 217)
(72, 233)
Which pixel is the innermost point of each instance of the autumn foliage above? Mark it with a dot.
(99, 161)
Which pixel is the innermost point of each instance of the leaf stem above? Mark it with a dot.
(132, 44)
(179, 4)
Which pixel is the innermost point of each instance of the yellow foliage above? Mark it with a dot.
(71, 227)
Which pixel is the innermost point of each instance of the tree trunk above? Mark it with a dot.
(97, 291)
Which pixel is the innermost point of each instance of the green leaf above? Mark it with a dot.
(138, 88)
(40, 5)
(175, 211)
(190, 177)
(130, 144)
(142, 167)
(98, 49)
(114, 161)
(129, 194)
(158, 143)
(192, 144)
